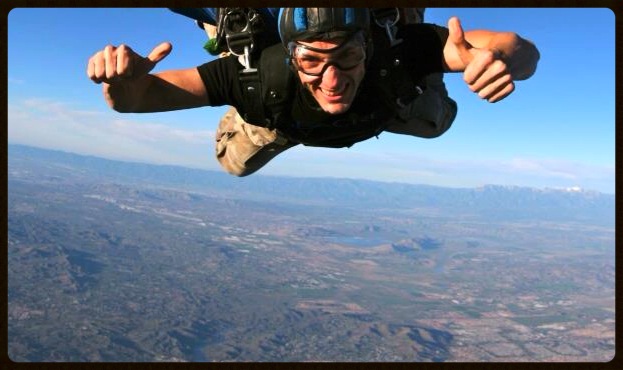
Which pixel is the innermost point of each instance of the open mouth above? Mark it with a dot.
(333, 93)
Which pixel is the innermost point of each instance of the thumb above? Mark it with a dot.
(457, 37)
(160, 52)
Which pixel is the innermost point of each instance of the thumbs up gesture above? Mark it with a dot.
(485, 70)
(120, 63)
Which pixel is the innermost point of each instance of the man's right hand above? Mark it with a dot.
(114, 64)
(128, 86)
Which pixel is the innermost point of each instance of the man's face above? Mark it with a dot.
(332, 71)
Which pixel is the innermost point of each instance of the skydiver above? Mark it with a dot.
(346, 87)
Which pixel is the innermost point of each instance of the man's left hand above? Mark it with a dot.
(486, 72)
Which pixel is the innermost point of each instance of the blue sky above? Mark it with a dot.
(557, 130)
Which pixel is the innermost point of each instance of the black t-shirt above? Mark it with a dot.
(419, 54)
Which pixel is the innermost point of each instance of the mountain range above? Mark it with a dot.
(502, 202)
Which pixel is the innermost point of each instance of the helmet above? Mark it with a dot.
(307, 23)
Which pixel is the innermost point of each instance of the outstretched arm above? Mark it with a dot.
(129, 87)
(490, 61)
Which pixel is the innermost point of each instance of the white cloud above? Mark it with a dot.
(432, 168)
(544, 167)
(56, 125)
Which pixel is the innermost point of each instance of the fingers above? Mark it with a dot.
(489, 77)
(497, 89)
(160, 52)
(92, 71)
(485, 71)
(123, 63)
(110, 62)
(113, 64)
(457, 37)
(502, 92)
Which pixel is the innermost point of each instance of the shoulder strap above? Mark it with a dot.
(268, 91)
(397, 82)
(252, 104)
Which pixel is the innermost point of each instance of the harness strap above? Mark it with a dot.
(387, 18)
(252, 98)
(268, 90)
(278, 87)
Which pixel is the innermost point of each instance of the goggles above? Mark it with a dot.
(314, 61)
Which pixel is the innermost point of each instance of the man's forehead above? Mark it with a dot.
(327, 42)
(323, 43)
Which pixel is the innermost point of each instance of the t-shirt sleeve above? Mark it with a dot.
(220, 79)
(425, 43)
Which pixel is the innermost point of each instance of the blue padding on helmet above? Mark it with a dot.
(304, 23)
(300, 19)
(349, 16)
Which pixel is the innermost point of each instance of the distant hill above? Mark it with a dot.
(500, 202)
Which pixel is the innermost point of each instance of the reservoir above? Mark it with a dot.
(356, 241)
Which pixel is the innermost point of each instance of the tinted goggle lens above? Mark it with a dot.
(314, 62)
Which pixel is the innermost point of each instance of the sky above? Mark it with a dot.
(557, 130)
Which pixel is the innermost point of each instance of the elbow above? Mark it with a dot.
(535, 59)
(532, 59)
(528, 57)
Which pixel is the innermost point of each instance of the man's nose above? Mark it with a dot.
(331, 75)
